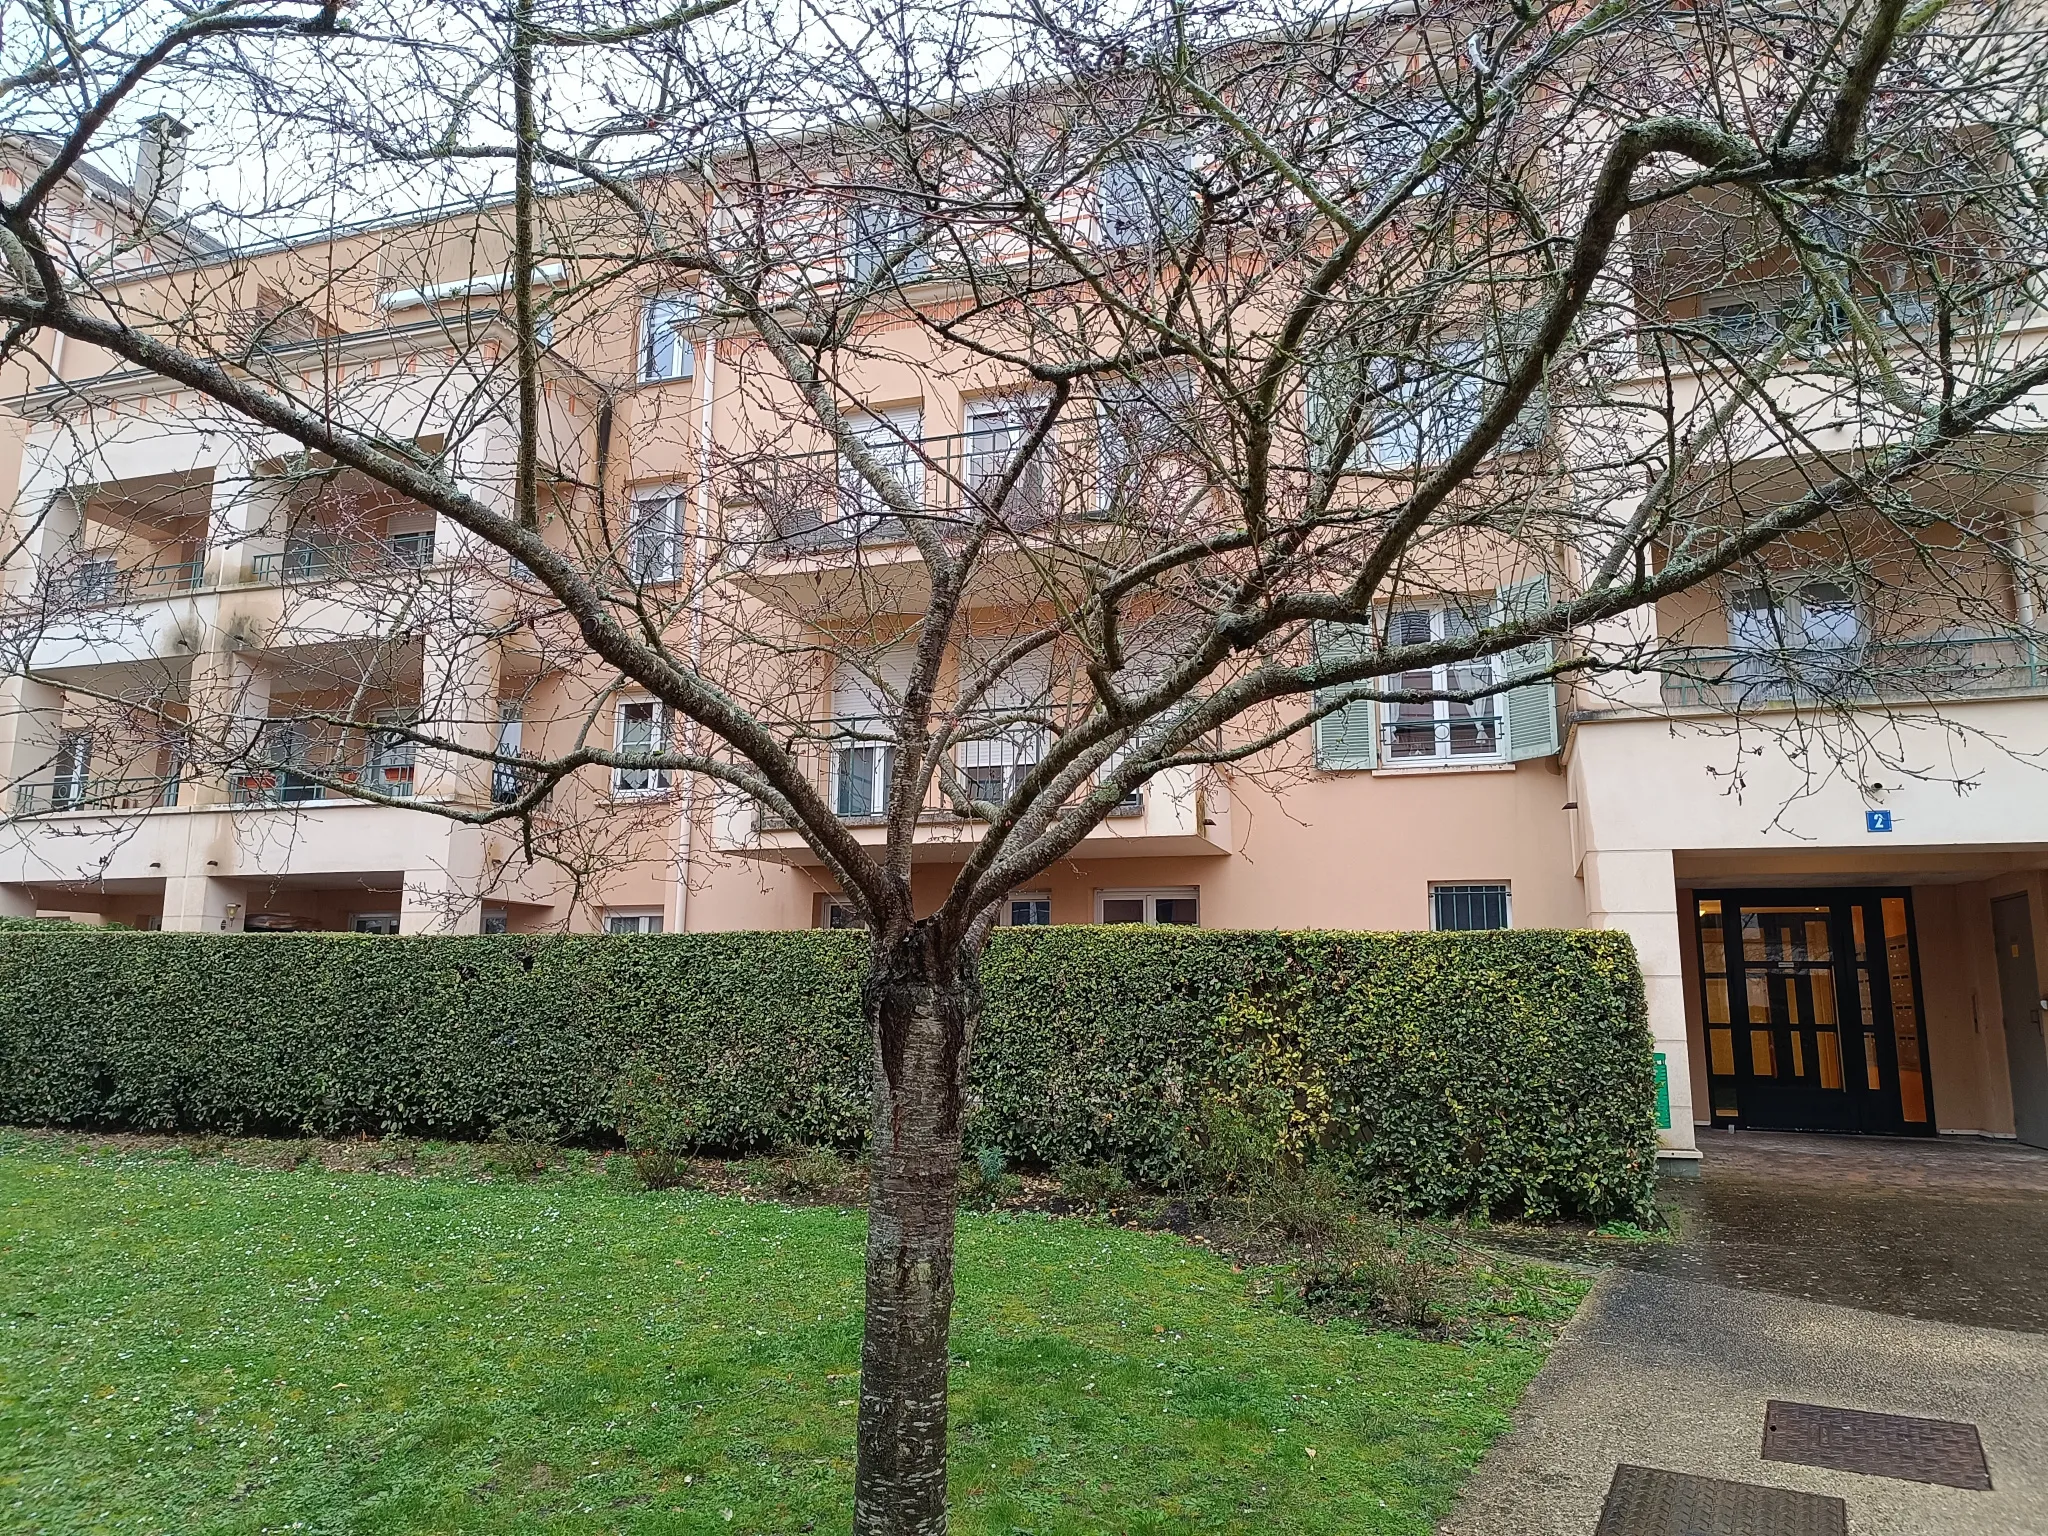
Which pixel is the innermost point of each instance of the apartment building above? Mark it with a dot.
(1823, 948)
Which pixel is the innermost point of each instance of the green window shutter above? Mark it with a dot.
(1528, 713)
(1346, 738)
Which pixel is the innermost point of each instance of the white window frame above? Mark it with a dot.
(667, 355)
(1442, 720)
(654, 536)
(357, 919)
(876, 233)
(1144, 194)
(851, 923)
(632, 920)
(896, 437)
(71, 781)
(1006, 913)
(1152, 895)
(657, 778)
(1505, 887)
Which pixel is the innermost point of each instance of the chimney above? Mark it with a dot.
(159, 168)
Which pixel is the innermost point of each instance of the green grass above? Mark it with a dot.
(194, 1346)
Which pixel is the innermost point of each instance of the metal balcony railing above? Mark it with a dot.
(68, 793)
(1930, 667)
(296, 786)
(816, 502)
(100, 582)
(315, 560)
(854, 777)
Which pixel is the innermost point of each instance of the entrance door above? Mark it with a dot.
(2019, 987)
(1812, 1011)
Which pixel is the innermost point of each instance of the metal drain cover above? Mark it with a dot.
(1879, 1444)
(1643, 1501)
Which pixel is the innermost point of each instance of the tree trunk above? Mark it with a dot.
(922, 999)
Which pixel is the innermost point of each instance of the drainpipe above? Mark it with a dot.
(700, 553)
(2030, 543)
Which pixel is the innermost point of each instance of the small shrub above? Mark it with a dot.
(507, 1156)
(657, 1169)
(812, 1172)
(1300, 1205)
(985, 1178)
(1372, 1281)
(1092, 1183)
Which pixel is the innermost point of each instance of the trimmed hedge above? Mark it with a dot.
(1507, 1072)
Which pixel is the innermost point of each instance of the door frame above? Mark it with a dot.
(2026, 1007)
(1837, 898)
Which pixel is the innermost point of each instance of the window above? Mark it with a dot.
(385, 923)
(893, 439)
(840, 915)
(389, 768)
(632, 921)
(1809, 638)
(1144, 195)
(1401, 412)
(996, 431)
(654, 537)
(641, 727)
(1027, 909)
(508, 782)
(71, 786)
(665, 352)
(1463, 908)
(98, 580)
(495, 920)
(1175, 905)
(861, 777)
(862, 706)
(1439, 730)
(995, 763)
(884, 241)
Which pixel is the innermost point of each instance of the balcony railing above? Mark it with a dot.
(817, 501)
(316, 560)
(99, 582)
(297, 786)
(854, 779)
(67, 793)
(1925, 668)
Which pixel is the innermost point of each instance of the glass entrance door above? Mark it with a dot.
(1811, 1004)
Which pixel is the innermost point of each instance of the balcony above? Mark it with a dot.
(68, 793)
(99, 582)
(317, 559)
(1925, 669)
(304, 756)
(1184, 811)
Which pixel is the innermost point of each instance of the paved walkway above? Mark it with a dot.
(1890, 1276)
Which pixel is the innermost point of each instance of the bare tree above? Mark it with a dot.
(1354, 379)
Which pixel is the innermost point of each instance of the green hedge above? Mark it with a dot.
(1507, 1072)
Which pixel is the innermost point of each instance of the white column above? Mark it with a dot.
(444, 895)
(31, 721)
(247, 518)
(201, 904)
(1637, 892)
(227, 699)
(459, 703)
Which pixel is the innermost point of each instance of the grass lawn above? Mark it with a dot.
(191, 1345)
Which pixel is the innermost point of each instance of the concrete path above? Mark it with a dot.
(1670, 1364)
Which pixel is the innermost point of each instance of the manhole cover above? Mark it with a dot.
(1643, 1501)
(1880, 1444)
